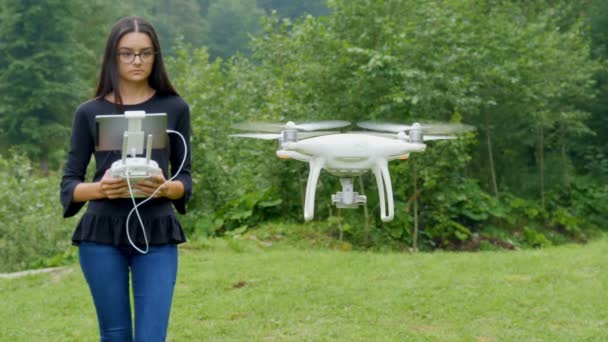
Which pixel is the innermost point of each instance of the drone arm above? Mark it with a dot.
(383, 179)
(316, 165)
(286, 154)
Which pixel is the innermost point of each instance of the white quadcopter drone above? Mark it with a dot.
(350, 154)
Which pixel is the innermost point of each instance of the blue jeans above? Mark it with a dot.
(106, 269)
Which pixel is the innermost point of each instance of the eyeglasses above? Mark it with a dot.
(127, 57)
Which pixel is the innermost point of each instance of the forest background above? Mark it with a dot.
(529, 75)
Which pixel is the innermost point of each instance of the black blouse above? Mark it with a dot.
(104, 220)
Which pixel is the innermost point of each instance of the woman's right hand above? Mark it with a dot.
(113, 187)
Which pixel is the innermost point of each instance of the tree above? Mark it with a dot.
(594, 150)
(293, 9)
(512, 71)
(39, 78)
(231, 23)
(516, 75)
(174, 20)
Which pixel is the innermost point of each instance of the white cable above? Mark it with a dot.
(136, 205)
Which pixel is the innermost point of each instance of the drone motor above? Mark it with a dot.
(290, 135)
(415, 134)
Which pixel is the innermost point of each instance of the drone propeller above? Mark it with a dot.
(273, 136)
(263, 136)
(402, 135)
(378, 134)
(438, 137)
(430, 128)
(278, 127)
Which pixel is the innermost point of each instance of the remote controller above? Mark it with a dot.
(134, 168)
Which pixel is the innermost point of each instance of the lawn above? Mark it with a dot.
(249, 291)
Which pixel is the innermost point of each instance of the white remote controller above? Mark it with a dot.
(134, 168)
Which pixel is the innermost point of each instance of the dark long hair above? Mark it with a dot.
(108, 75)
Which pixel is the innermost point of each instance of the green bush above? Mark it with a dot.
(33, 233)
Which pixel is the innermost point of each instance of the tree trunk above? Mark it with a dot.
(365, 210)
(44, 167)
(340, 231)
(541, 165)
(301, 181)
(491, 161)
(566, 174)
(415, 232)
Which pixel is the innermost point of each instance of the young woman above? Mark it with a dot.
(132, 77)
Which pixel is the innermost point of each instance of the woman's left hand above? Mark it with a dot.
(149, 185)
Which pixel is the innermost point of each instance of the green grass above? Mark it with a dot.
(243, 291)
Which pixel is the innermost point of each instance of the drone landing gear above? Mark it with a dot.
(383, 179)
(347, 198)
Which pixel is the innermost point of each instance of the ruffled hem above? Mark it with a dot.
(111, 230)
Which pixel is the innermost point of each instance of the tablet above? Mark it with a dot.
(110, 129)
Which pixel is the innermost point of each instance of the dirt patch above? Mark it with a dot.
(58, 272)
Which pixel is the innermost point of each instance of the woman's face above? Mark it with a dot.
(135, 54)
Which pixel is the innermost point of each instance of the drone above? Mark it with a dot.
(349, 154)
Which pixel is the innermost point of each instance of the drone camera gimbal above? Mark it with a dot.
(347, 198)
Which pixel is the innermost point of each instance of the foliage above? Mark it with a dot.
(33, 234)
(38, 79)
(598, 23)
(293, 9)
(233, 179)
(231, 22)
(584, 203)
(504, 68)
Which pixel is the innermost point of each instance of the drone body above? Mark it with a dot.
(348, 155)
